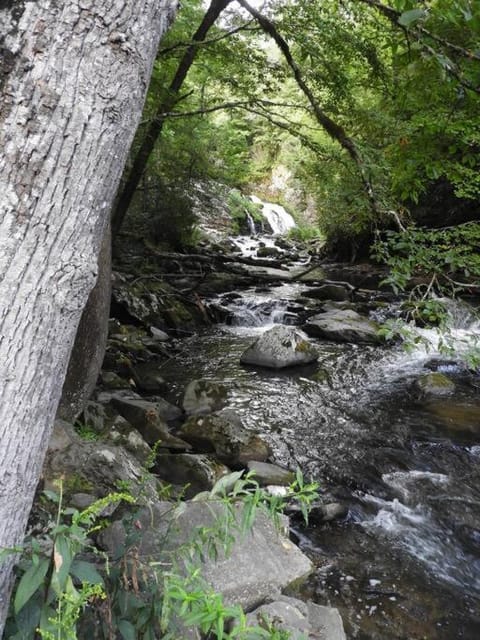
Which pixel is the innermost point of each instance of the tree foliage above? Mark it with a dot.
(369, 104)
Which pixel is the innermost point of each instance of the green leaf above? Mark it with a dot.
(31, 580)
(127, 630)
(409, 17)
(85, 572)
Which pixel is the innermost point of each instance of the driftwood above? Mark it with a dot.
(217, 257)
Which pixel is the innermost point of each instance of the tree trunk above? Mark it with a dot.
(154, 130)
(73, 79)
(90, 341)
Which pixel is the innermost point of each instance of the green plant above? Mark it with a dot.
(305, 232)
(142, 600)
(55, 584)
(86, 432)
(240, 207)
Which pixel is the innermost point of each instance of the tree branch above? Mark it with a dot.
(393, 15)
(227, 34)
(124, 198)
(333, 129)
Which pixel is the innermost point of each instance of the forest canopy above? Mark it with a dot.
(372, 109)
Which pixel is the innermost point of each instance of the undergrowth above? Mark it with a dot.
(66, 586)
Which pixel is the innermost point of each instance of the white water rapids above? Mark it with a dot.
(277, 217)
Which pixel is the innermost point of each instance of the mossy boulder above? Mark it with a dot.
(224, 434)
(343, 325)
(195, 472)
(435, 384)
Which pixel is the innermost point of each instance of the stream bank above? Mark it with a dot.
(394, 450)
(402, 459)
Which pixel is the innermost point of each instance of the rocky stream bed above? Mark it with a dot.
(392, 438)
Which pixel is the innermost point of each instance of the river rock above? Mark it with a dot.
(333, 291)
(302, 620)
(148, 418)
(261, 562)
(159, 335)
(313, 275)
(435, 384)
(268, 252)
(224, 434)
(111, 380)
(461, 416)
(122, 433)
(204, 396)
(270, 474)
(148, 378)
(95, 468)
(280, 347)
(198, 472)
(343, 325)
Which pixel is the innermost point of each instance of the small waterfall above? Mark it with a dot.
(251, 224)
(251, 312)
(279, 220)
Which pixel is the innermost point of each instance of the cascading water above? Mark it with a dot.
(405, 564)
(251, 224)
(277, 217)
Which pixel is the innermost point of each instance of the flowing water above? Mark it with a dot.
(405, 563)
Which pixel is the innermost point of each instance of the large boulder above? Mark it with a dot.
(343, 325)
(461, 416)
(280, 347)
(270, 474)
(224, 434)
(195, 472)
(337, 291)
(261, 562)
(302, 620)
(92, 467)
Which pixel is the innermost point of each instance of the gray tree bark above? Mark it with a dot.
(73, 78)
(90, 341)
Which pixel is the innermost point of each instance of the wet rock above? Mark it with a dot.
(217, 312)
(122, 433)
(314, 275)
(319, 512)
(200, 472)
(456, 416)
(302, 620)
(111, 380)
(149, 419)
(327, 512)
(343, 325)
(270, 474)
(261, 562)
(280, 347)
(204, 396)
(435, 384)
(153, 305)
(95, 468)
(224, 434)
(268, 252)
(148, 378)
(159, 335)
(337, 292)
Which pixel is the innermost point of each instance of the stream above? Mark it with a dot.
(405, 562)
